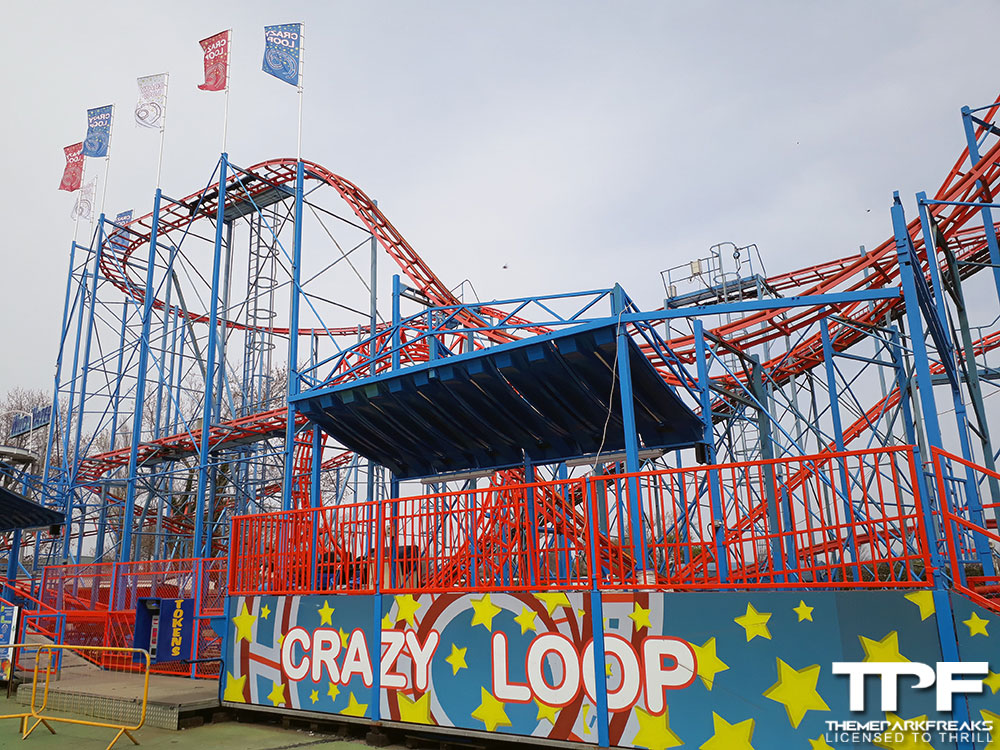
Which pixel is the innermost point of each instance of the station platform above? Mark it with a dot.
(86, 690)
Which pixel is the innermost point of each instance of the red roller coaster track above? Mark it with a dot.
(875, 269)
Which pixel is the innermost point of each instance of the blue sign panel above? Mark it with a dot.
(164, 628)
(39, 417)
(8, 637)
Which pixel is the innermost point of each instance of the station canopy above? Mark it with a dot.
(546, 397)
(18, 512)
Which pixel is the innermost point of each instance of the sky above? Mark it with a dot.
(530, 147)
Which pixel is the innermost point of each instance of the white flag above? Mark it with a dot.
(151, 108)
(84, 208)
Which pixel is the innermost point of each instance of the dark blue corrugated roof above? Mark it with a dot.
(18, 512)
(548, 396)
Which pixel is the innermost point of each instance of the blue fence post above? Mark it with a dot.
(597, 622)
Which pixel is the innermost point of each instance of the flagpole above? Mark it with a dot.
(76, 212)
(163, 126)
(225, 111)
(107, 162)
(302, 69)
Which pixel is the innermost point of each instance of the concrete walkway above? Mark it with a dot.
(228, 735)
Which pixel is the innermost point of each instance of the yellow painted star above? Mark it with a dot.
(406, 608)
(457, 659)
(992, 681)
(277, 694)
(344, 637)
(526, 620)
(553, 600)
(728, 736)
(820, 743)
(754, 623)
(265, 611)
(244, 625)
(796, 691)
(387, 623)
(546, 711)
(333, 691)
(490, 711)
(326, 614)
(314, 696)
(234, 688)
(353, 707)
(995, 718)
(924, 601)
(885, 650)
(484, 611)
(281, 639)
(654, 731)
(804, 611)
(415, 711)
(708, 663)
(977, 625)
(909, 741)
(640, 617)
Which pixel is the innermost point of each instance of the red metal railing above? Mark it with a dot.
(972, 546)
(98, 602)
(836, 520)
(843, 519)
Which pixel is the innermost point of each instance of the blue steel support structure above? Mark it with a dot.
(91, 300)
(125, 554)
(969, 123)
(65, 487)
(715, 495)
(636, 523)
(53, 421)
(210, 364)
(293, 343)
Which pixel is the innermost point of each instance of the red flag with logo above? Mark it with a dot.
(216, 50)
(73, 173)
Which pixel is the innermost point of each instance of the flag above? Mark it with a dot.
(216, 50)
(73, 173)
(84, 208)
(98, 140)
(281, 51)
(119, 238)
(151, 108)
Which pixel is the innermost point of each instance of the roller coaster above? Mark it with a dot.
(237, 411)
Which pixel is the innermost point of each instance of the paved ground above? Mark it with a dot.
(228, 735)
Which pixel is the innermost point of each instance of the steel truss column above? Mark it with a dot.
(715, 495)
(210, 364)
(54, 417)
(125, 553)
(636, 523)
(987, 213)
(293, 342)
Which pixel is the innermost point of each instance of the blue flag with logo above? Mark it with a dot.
(282, 46)
(119, 238)
(98, 139)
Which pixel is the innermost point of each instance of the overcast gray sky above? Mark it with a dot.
(577, 143)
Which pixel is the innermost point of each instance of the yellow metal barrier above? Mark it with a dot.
(49, 655)
(24, 715)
